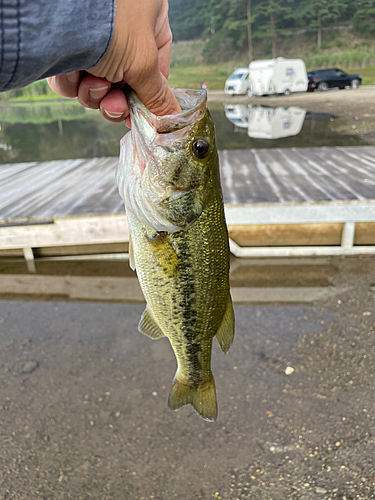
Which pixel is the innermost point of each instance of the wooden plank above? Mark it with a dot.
(299, 213)
(87, 186)
(271, 252)
(72, 287)
(265, 235)
(298, 174)
(104, 248)
(67, 231)
(364, 233)
(284, 295)
(11, 252)
(114, 289)
(282, 274)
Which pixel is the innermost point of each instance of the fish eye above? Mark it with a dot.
(201, 148)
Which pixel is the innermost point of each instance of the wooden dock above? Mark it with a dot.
(298, 201)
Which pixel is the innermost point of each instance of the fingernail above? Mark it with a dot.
(73, 78)
(98, 93)
(113, 114)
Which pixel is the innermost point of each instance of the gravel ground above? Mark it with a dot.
(83, 408)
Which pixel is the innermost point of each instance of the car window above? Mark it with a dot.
(236, 76)
(338, 72)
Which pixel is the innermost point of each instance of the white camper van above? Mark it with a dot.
(238, 82)
(277, 76)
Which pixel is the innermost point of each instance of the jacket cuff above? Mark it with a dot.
(41, 38)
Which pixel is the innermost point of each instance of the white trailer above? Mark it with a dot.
(265, 122)
(275, 123)
(277, 76)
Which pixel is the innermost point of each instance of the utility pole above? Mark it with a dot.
(249, 38)
(319, 38)
(273, 25)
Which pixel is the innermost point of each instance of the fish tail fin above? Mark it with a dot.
(202, 397)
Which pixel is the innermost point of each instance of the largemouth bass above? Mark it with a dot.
(168, 177)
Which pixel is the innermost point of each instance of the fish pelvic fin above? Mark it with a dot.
(225, 333)
(202, 398)
(148, 325)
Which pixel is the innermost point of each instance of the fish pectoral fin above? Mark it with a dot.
(149, 327)
(225, 333)
(131, 254)
(202, 398)
(163, 251)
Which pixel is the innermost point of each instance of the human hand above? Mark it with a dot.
(138, 55)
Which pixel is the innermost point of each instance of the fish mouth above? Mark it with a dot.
(193, 105)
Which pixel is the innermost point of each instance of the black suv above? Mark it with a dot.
(324, 79)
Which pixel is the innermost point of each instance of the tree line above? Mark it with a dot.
(244, 21)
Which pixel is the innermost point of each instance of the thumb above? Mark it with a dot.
(154, 91)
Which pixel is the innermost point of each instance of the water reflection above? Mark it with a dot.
(64, 130)
(268, 123)
(55, 131)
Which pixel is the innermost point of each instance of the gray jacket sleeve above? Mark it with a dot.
(40, 38)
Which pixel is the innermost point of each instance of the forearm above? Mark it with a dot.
(41, 38)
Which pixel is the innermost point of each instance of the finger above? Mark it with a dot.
(163, 40)
(114, 106)
(67, 84)
(164, 56)
(92, 90)
(152, 87)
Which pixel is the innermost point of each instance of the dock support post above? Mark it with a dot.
(347, 239)
(29, 257)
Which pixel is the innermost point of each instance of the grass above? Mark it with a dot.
(341, 48)
(216, 74)
(368, 74)
(187, 53)
(41, 101)
(189, 76)
(43, 97)
(348, 59)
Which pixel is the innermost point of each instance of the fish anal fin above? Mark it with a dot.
(202, 398)
(148, 325)
(225, 333)
(131, 254)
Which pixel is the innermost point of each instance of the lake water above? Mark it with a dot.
(65, 130)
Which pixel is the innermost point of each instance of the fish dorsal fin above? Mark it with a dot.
(149, 327)
(131, 254)
(225, 332)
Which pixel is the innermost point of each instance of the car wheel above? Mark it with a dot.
(323, 86)
(287, 92)
(355, 83)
